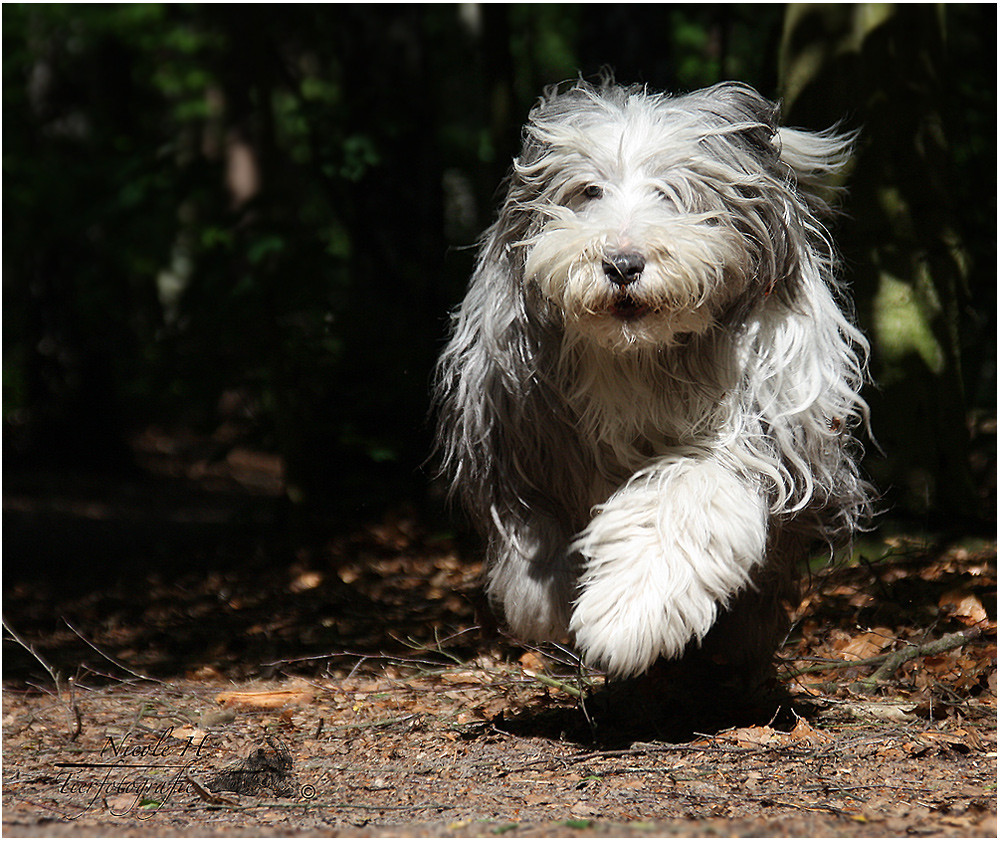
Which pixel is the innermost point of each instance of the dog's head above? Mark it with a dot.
(636, 218)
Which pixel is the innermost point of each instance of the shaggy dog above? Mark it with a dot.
(648, 395)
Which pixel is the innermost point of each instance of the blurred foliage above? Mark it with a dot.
(257, 217)
(920, 244)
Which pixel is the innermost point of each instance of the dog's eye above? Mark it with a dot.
(593, 191)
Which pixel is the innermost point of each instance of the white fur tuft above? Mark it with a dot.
(660, 558)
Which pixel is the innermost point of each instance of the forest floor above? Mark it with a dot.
(170, 669)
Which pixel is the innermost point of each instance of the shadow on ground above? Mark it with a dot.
(188, 569)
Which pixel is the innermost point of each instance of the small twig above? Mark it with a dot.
(106, 656)
(827, 664)
(363, 656)
(555, 682)
(894, 660)
(34, 653)
(357, 666)
(206, 795)
(582, 701)
(78, 727)
(437, 649)
(889, 662)
(70, 684)
(378, 723)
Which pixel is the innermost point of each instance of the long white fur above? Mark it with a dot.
(631, 473)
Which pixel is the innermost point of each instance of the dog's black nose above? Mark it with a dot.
(625, 268)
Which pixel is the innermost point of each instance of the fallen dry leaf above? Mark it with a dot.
(867, 645)
(960, 738)
(756, 736)
(534, 662)
(266, 699)
(883, 711)
(204, 673)
(306, 581)
(189, 733)
(804, 732)
(964, 607)
(796, 686)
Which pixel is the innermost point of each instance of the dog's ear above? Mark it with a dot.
(817, 161)
(751, 117)
(814, 158)
(741, 102)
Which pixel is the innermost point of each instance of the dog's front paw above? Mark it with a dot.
(623, 624)
(660, 557)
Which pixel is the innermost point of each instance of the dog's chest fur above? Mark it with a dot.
(640, 405)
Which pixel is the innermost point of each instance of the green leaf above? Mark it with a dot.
(265, 247)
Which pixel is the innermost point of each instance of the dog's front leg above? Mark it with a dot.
(530, 576)
(661, 556)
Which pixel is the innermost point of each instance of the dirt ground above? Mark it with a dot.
(170, 669)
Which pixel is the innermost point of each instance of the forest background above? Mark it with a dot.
(251, 222)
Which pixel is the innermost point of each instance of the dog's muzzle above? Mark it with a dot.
(623, 270)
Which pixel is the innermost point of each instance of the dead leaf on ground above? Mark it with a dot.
(798, 687)
(266, 699)
(190, 733)
(963, 739)
(757, 736)
(882, 711)
(306, 581)
(534, 662)
(867, 645)
(804, 732)
(964, 607)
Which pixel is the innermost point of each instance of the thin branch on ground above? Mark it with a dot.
(576, 692)
(107, 657)
(74, 708)
(894, 660)
(364, 657)
(34, 653)
(889, 662)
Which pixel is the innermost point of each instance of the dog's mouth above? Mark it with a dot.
(626, 308)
